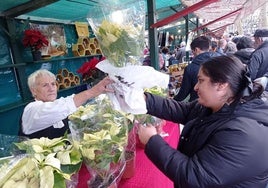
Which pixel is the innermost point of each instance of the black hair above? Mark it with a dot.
(236, 39)
(165, 50)
(244, 42)
(201, 42)
(229, 69)
(214, 44)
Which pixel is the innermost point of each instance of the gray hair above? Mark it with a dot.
(41, 72)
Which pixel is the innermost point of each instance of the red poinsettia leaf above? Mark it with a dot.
(94, 62)
(88, 68)
(84, 68)
(34, 38)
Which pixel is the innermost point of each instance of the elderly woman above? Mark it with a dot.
(47, 116)
(224, 140)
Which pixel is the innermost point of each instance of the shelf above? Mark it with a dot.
(12, 65)
(62, 58)
(71, 88)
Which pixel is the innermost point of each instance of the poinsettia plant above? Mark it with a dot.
(100, 133)
(35, 39)
(47, 163)
(90, 72)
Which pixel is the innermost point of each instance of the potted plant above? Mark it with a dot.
(100, 133)
(34, 39)
(130, 153)
(44, 163)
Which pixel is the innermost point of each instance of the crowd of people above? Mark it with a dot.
(225, 135)
(250, 50)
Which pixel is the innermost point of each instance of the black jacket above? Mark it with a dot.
(258, 65)
(244, 54)
(190, 77)
(227, 149)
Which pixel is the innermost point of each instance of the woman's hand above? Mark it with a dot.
(146, 132)
(95, 91)
(103, 86)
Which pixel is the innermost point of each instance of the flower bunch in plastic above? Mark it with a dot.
(119, 29)
(100, 133)
(47, 163)
(146, 119)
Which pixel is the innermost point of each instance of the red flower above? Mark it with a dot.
(34, 38)
(89, 67)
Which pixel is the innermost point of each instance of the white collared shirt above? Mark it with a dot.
(39, 115)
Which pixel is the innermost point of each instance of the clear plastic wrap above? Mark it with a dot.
(39, 163)
(119, 28)
(100, 133)
(145, 119)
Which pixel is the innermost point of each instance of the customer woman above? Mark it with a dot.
(224, 142)
(47, 116)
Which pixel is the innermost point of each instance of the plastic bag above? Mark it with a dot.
(130, 82)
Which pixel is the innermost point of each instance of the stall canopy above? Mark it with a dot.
(209, 12)
(238, 9)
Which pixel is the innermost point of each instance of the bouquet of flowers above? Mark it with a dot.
(120, 30)
(100, 133)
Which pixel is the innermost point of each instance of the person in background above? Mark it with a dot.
(225, 135)
(147, 61)
(146, 50)
(161, 61)
(181, 52)
(214, 46)
(230, 48)
(245, 47)
(258, 64)
(221, 46)
(200, 48)
(165, 55)
(236, 39)
(172, 59)
(47, 116)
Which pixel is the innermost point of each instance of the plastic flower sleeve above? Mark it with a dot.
(119, 28)
(145, 119)
(46, 163)
(100, 133)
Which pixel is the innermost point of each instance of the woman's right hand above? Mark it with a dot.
(103, 86)
(99, 88)
(146, 132)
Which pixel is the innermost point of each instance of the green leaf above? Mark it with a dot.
(71, 169)
(60, 182)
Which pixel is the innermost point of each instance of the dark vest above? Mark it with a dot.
(49, 132)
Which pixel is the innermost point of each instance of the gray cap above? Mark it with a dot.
(261, 33)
